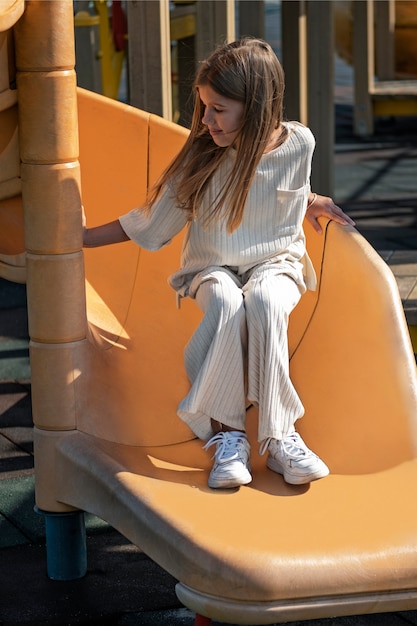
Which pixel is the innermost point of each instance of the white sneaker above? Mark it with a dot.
(297, 463)
(231, 460)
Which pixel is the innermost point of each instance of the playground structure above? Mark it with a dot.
(379, 55)
(377, 38)
(100, 42)
(382, 58)
(394, 33)
(107, 372)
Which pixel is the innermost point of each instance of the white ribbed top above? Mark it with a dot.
(271, 229)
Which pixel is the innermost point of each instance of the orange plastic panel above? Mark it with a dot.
(351, 356)
(133, 373)
(11, 226)
(267, 542)
(355, 369)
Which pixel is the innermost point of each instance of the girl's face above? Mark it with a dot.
(222, 116)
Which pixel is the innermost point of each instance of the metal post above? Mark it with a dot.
(66, 548)
(364, 65)
(149, 56)
(294, 59)
(320, 67)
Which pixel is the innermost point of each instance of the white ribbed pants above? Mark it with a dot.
(240, 351)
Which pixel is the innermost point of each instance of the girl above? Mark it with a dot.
(241, 184)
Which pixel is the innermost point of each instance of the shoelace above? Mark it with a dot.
(227, 447)
(293, 445)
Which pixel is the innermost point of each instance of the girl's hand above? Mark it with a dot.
(323, 206)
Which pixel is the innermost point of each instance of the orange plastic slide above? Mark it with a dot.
(270, 551)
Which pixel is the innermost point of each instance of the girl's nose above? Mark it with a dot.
(206, 118)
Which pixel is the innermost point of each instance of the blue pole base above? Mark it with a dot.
(66, 547)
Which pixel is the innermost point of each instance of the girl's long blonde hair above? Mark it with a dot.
(246, 70)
